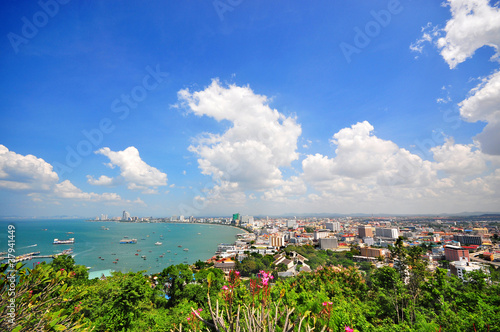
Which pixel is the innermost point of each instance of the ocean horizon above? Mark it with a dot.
(97, 243)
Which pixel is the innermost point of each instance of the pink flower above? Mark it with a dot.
(237, 273)
(271, 277)
(62, 269)
(224, 287)
(348, 329)
(200, 310)
(189, 318)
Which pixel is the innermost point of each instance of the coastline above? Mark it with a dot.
(170, 222)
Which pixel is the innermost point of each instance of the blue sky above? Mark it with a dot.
(214, 107)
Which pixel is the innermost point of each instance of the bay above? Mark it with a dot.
(92, 242)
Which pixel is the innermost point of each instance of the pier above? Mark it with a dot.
(31, 255)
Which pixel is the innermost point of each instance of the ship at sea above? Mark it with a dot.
(128, 241)
(69, 241)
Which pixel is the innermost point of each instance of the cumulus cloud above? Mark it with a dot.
(260, 140)
(362, 155)
(133, 170)
(459, 159)
(36, 177)
(474, 24)
(27, 173)
(372, 174)
(103, 180)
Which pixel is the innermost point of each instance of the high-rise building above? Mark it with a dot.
(468, 239)
(276, 240)
(328, 243)
(290, 223)
(392, 233)
(246, 220)
(126, 215)
(454, 253)
(333, 226)
(365, 231)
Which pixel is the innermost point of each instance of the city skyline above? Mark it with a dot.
(211, 108)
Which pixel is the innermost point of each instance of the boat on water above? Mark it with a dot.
(179, 246)
(158, 243)
(70, 233)
(186, 249)
(69, 241)
(67, 251)
(128, 241)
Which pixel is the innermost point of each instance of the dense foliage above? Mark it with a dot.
(340, 297)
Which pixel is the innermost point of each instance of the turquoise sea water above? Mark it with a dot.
(91, 241)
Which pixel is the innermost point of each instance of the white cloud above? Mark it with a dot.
(294, 187)
(248, 155)
(459, 158)
(103, 180)
(27, 173)
(36, 177)
(133, 170)
(474, 24)
(369, 174)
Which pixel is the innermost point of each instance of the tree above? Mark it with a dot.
(67, 263)
(41, 298)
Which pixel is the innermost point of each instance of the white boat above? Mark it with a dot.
(158, 243)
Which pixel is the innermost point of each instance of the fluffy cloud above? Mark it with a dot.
(368, 160)
(369, 174)
(484, 105)
(36, 177)
(28, 173)
(474, 24)
(260, 141)
(66, 189)
(459, 159)
(133, 170)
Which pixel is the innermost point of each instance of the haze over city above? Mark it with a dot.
(263, 108)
